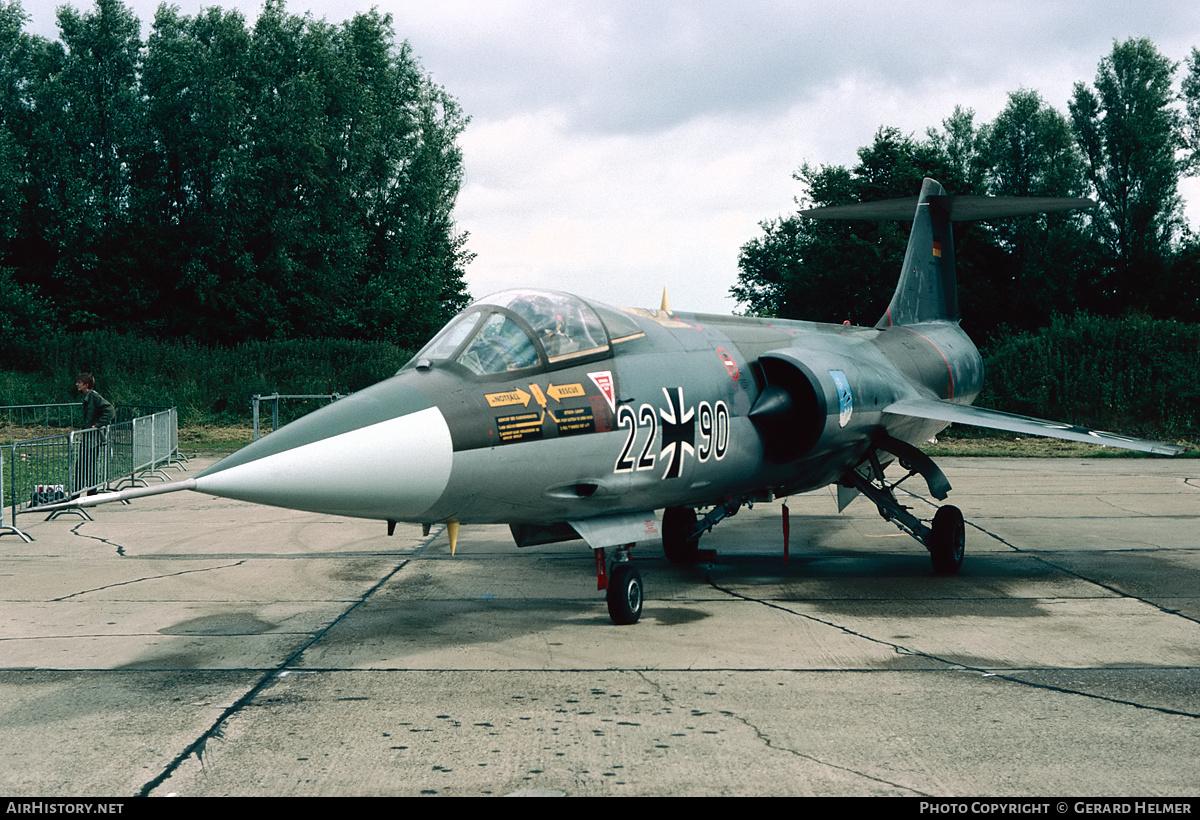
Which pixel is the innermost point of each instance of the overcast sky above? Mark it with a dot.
(617, 148)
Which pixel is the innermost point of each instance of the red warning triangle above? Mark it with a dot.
(604, 381)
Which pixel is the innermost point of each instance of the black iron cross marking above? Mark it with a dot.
(678, 431)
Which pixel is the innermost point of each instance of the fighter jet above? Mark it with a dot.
(568, 419)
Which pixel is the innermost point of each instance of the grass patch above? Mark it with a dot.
(214, 439)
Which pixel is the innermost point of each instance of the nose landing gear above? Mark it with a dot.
(624, 595)
(622, 585)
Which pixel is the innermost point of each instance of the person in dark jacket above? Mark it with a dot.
(97, 410)
(98, 413)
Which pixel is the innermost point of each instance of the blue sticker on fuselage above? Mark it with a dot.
(845, 397)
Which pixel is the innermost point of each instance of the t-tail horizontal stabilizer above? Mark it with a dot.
(928, 290)
(957, 208)
(995, 420)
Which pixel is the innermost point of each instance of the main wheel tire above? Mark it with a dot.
(679, 545)
(624, 595)
(948, 540)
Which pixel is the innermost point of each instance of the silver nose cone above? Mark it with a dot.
(382, 453)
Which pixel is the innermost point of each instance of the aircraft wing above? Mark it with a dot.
(995, 420)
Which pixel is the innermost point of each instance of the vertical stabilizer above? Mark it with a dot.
(927, 290)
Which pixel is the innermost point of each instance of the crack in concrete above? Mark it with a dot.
(147, 578)
(770, 744)
(199, 746)
(1110, 588)
(804, 756)
(1120, 593)
(901, 649)
(1116, 506)
(75, 531)
(1163, 710)
(1194, 483)
(895, 647)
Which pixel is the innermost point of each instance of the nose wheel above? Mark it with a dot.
(624, 595)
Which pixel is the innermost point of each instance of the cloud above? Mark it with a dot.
(617, 146)
(635, 67)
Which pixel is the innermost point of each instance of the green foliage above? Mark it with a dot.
(1124, 144)
(1135, 374)
(1038, 263)
(847, 269)
(224, 182)
(24, 311)
(207, 383)
(1190, 88)
(1129, 131)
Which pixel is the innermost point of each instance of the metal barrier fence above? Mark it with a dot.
(273, 399)
(20, 419)
(6, 529)
(53, 468)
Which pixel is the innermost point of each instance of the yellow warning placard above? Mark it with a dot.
(509, 397)
(558, 392)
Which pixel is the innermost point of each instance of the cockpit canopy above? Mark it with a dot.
(519, 330)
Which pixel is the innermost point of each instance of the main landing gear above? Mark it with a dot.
(681, 531)
(680, 535)
(682, 528)
(946, 538)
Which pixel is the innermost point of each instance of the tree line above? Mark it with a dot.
(1125, 141)
(224, 182)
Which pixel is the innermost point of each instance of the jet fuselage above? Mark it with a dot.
(655, 413)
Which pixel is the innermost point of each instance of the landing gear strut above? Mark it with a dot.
(946, 538)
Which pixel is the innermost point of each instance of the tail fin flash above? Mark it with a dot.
(927, 290)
